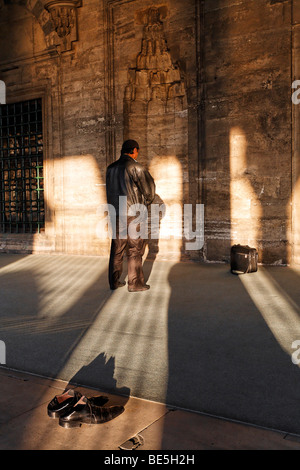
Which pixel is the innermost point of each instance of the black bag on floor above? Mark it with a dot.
(243, 259)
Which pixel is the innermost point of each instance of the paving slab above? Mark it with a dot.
(184, 430)
(26, 425)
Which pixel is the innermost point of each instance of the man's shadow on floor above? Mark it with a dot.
(99, 376)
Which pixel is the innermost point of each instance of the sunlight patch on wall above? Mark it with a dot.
(79, 191)
(246, 209)
(167, 173)
(293, 212)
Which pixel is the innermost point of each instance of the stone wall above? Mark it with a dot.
(295, 197)
(248, 127)
(205, 87)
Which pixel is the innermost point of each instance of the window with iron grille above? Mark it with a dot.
(21, 167)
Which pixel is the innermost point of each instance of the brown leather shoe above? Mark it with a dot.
(61, 404)
(86, 413)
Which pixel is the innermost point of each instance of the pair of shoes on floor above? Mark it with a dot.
(138, 289)
(74, 409)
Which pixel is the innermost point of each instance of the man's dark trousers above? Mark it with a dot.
(135, 249)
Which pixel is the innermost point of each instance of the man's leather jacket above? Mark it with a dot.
(127, 177)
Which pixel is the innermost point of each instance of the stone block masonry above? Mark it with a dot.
(204, 86)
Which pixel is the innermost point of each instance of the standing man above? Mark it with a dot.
(127, 177)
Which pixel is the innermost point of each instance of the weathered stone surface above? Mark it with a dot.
(248, 123)
(205, 89)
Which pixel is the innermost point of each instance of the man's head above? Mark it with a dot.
(130, 147)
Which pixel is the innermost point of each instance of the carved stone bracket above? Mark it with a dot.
(64, 18)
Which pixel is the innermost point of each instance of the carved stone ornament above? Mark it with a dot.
(64, 17)
(155, 77)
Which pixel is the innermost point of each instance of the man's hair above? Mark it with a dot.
(129, 146)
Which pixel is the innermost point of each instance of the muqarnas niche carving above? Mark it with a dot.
(155, 104)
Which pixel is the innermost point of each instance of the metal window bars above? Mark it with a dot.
(21, 168)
